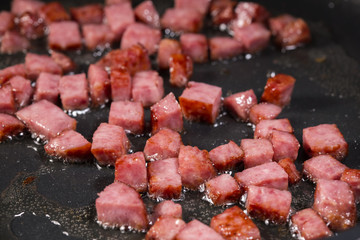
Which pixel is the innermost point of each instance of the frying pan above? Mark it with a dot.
(43, 198)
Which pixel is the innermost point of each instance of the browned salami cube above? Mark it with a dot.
(31, 25)
(6, 21)
(223, 190)
(293, 34)
(277, 24)
(256, 152)
(90, 13)
(53, 12)
(9, 126)
(182, 20)
(288, 165)
(121, 82)
(181, 68)
(74, 92)
(198, 230)
(99, 85)
(226, 156)
(352, 177)
(167, 47)
(64, 35)
(222, 11)
(66, 63)
(249, 12)
(128, 115)
(239, 104)
(278, 89)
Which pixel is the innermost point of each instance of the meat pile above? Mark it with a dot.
(166, 166)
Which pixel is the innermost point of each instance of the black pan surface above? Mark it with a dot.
(42, 198)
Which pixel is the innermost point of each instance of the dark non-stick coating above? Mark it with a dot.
(43, 198)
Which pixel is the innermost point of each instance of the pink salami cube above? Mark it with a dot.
(165, 228)
(268, 203)
(323, 167)
(196, 230)
(181, 69)
(120, 205)
(22, 90)
(223, 190)
(97, 35)
(74, 91)
(35, 64)
(99, 85)
(195, 45)
(200, 5)
(45, 119)
(167, 208)
(234, 224)
(182, 20)
(263, 111)
(9, 126)
(277, 24)
(265, 127)
(53, 12)
(334, 202)
(227, 156)
(47, 87)
(164, 179)
(222, 11)
(6, 21)
(278, 89)
(90, 13)
(352, 177)
(12, 71)
(120, 80)
(266, 175)
(295, 33)
(256, 152)
(166, 114)
(128, 115)
(147, 13)
(64, 35)
(249, 12)
(255, 37)
(164, 144)
(195, 167)
(119, 17)
(66, 64)
(167, 47)
(201, 102)
(285, 145)
(13, 42)
(224, 48)
(131, 170)
(109, 143)
(147, 88)
(18, 7)
(7, 100)
(289, 167)
(239, 104)
(325, 139)
(70, 145)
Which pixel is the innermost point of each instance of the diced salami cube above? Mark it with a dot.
(323, 167)
(324, 139)
(265, 127)
(167, 208)
(64, 35)
(69, 145)
(181, 69)
(31, 25)
(195, 45)
(35, 64)
(147, 13)
(6, 22)
(46, 119)
(120, 205)
(74, 91)
(90, 13)
(128, 115)
(22, 90)
(147, 88)
(222, 11)
(249, 12)
(13, 42)
(111, 2)
(334, 202)
(256, 152)
(224, 48)
(255, 37)
(53, 12)
(227, 156)
(165, 228)
(268, 203)
(285, 145)
(263, 111)
(9, 126)
(239, 104)
(131, 170)
(7, 100)
(97, 35)
(277, 24)
(166, 114)
(269, 175)
(201, 102)
(109, 143)
(352, 177)
(99, 85)
(65, 62)
(223, 190)
(278, 89)
(295, 33)
(18, 7)
(182, 20)
(234, 224)
(199, 5)
(12, 71)
(195, 167)
(309, 225)
(196, 230)
(164, 179)
(289, 167)
(167, 47)
(120, 80)
(164, 144)
(119, 17)
(47, 87)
